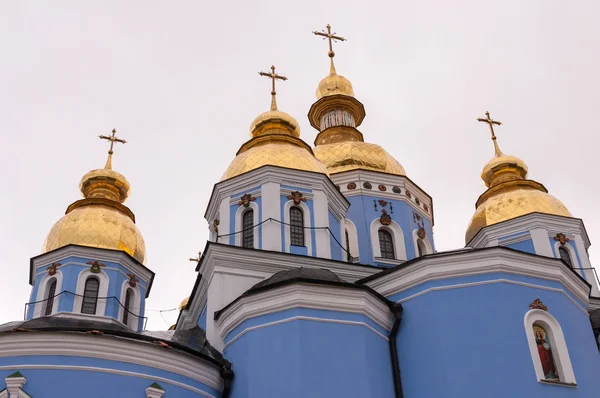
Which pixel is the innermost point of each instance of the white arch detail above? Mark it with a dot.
(397, 235)
(572, 254)
(239, 223)
(102, 291)
(43, 291)
(426, 242)
(557, 340)
(134, 306)
(349, 226)
(307, 224)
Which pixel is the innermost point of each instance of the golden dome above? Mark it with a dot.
(352, 155)
(334, 84)
(280, 153)
(100, 220)
(510, 204)
(503, 168)
(273, 122)
(184, 303)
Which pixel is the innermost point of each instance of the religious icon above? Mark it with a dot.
(545, 352)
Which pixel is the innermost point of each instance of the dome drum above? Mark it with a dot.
(333, 103)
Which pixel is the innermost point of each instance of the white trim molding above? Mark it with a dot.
(239, 223)
(560, 352)
(309, 296)
(428, 248)
(103, 280)
(349, 226)
(152, 392)
(14, 388)
(135, 306)
(42, 294)
(307, 225)
(397, 236)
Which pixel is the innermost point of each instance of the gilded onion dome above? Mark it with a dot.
(510, 194)
(100, 219)
(339, 144)
(275, 141)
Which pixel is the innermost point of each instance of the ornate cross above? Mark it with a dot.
(491, 122)
(561, 238)
(273, 76)
(52, 268)
(538, 305)
(297, 197)
(331, 38)
(95, 266)
(246, 199)
(197, 259)
(112, 138)
(133, 280)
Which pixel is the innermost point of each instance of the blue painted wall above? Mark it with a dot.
(524, 246)
(303, 358)
(336, 239)
(473, 342)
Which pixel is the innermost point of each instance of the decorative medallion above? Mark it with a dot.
(351, 186)
(408, 194)
(52, 268)
(538, 305)
(382, 187)
(297, 197)
(367, 185)
(133, 280)
(417, 201)
(216, 225)
(561, 238)
(246, 199)
(382, 203)
(425, 207)
(421, 233)
(385, 218)
(396, 189)
(95, 266)
(420, 225)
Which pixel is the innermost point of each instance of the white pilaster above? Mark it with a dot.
(321, 214)
(541, 242)
(223, 220)
(271, 208)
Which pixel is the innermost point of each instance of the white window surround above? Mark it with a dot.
(239, 223)
(42, 293)
(557, 341)
(307, 225)
(102, 291)
(14, 387)
(349, 226)
(134, 305)
(152, 392)
(571, 252)
(397, 236)
(426, 242)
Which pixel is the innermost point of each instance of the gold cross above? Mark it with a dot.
(273, 76)
(112, 138)
(197, 260)
(331, 38)
(491, 122)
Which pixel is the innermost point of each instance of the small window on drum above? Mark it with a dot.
(50, 297)
(296, 226)
(248, 229)
(127, 305)
(565, 256)
(90, 296)
(386, 244)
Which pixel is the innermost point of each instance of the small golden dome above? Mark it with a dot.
(506, 205)
(274, 122)
(503, 168)
(184, 303)
(280, 153)
(105, 183)
(334, 84)
(352, 155)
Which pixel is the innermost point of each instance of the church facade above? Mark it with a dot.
(320, 279)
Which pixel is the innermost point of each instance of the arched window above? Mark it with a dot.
(564, 255)
(90, 296)
(348, 255)
(296, 226)
(127, 305)
(248, 229)
(421, 247)
(50, 297)
(386, 244)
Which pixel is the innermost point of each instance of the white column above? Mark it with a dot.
(492, 243)
(271, 208)
(541, 242)
(322, 236)
(585, 263)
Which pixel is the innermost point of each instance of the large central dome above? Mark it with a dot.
(352, 155)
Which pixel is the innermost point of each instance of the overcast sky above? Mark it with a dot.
(179, 81)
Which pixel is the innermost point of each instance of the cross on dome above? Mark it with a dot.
(112, 138)
(331, 37)
(273, 76)
(491, 123)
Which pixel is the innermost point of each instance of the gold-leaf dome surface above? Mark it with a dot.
(352, 155)
(514, 203)
(271, 120)
(184, 303)
(274, 154)
(97, 226)
(334, 84)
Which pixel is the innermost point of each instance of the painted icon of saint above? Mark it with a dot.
(545, 352)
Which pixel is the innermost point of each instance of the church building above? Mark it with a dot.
(320, 279)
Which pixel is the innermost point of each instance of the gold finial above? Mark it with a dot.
(197, 259)
(491, 122)
(112, 140)
(273, 76)
(331, 38)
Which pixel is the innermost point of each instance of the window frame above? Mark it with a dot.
(50, 295)
(88, 298)
(297, 232)
(388, 235)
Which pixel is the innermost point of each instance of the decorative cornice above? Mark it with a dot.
(305, 295)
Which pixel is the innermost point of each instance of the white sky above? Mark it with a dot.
(179, 81)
